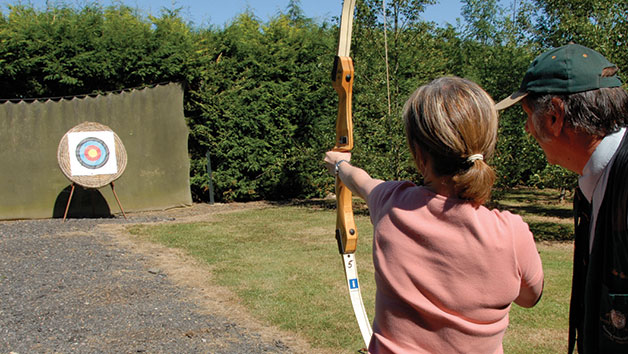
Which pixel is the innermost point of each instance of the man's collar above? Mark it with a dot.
(597, 163)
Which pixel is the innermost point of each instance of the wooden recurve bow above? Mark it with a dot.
(346, 232)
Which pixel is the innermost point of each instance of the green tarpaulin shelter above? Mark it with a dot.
(151, 125)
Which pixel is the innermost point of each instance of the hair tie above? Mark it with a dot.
(474, 157)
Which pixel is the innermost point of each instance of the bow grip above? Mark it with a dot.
(346, 232)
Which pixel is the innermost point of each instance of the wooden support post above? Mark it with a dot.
(67, 207)
(118, 200)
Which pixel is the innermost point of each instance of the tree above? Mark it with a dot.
(598, 24)
(483, 21)
(259, 109)
(495, 53)
(66, 51)
(384, 80)
(258, 95)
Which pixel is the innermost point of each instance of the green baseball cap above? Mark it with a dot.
(568, 69)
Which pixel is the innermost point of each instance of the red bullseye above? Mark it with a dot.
(92, 153)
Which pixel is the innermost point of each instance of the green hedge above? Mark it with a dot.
(258, 95)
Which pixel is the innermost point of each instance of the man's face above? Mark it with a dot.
(531, 127)
(535, 126)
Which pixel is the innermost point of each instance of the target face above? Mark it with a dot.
(92, 153)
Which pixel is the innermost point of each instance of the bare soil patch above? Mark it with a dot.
(196, 277)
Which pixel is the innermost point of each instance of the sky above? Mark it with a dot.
(221, 12)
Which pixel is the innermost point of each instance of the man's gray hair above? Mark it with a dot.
(596, 112)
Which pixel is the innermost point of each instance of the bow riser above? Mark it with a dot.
(342, 75)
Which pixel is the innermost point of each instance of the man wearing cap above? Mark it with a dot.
(577, 112)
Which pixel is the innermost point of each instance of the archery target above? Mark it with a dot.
(92, 153)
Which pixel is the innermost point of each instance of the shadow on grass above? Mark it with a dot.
(539, 202)
(536, 202)
(532, 195)
(549, 231)
(359, 206)
(534, 209)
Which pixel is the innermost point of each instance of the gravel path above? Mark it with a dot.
(74, 288)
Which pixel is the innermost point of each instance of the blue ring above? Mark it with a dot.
(80, 153)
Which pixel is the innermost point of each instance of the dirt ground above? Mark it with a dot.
(87, 285)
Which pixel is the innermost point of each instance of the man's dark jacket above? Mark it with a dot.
(599, 296)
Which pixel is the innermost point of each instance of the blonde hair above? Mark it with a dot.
(453, 119)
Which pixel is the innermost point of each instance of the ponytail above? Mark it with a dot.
(455, 122)
(475, 183)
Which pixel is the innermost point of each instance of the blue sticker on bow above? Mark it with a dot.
(353, 283)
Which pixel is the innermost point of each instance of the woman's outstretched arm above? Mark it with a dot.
(356, 179)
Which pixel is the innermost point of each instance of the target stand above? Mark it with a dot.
(92, 156)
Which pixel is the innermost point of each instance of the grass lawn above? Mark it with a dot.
(283, 263)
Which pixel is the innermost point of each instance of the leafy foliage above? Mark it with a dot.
(259, 111)
(65, 51)
(258, 97)
(599, 24)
